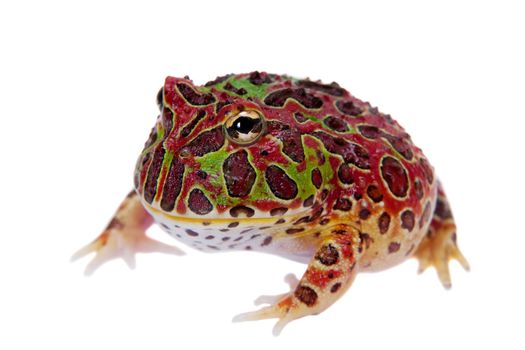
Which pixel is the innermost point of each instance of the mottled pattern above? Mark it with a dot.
(294, 167)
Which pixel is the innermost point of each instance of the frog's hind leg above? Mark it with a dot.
(439, 246)
(124, 236)
(329, 274)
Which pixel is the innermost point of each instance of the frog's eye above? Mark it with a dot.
(160, 99)
(245, 127)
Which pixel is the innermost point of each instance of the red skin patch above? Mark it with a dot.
(320, 277)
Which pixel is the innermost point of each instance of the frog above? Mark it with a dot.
(288, 166)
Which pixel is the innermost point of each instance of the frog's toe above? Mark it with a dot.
(124, 244)
(437, 249)
(292, 281)
(280, 309)
(124, 236)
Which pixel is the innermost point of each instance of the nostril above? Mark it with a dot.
(184, 152)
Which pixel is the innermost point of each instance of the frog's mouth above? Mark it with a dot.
(227, 221)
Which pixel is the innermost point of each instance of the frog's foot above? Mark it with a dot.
(124, 236)
(330, 272)
(440, 244)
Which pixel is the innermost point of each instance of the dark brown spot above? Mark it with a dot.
(281, 185)
(364, 214)
(150, 189)
(383, 222)
(418, 187)
(308, 202)
(425, 216)
(209, 237)
(374, 193)
(427, 170)
(242, 210)
(213, 247)
(408, 219)
(226, 238)
(290, 138)
(348, 108)
(316, 213)
(229, 87)
(400, 145)
(266, 241)
(317, 178)
(206, 142)
(351, 152)
(395, 176)
(192, 233)
(302, 220)
(369, 131)
(299, 117)
(321, 159)
(191, 125)
(218, 80)
(357, 195)
(291, 231)
(238, 174)
(167, 121)
(173, 185)
(336, 124)
(325, 221)
(327, 255)
(257, 78)
(278, 98)
(306, 295)
(366, 240)
(335, 287)
(233, 224)
(219, 106)
(280, 221)
(280, 211)
(343, 204)
(202, 174)
(116, 224)
(193, 97)
(332, 89)
(393, 247)
(262, 228)
(199, 203)
(442, 210)
(345, 174)
(324, 194)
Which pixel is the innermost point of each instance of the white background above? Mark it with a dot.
(77, 89)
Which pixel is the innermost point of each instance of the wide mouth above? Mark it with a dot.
(215, 220)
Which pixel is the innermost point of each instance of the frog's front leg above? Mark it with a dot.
(124, 236)
(329, 274)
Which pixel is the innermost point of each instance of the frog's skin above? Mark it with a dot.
(290, 167)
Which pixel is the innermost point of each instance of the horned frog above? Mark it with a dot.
(287, 166)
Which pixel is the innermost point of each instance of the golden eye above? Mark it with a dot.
(245, 127)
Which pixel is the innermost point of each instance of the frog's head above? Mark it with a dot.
(240, 146)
